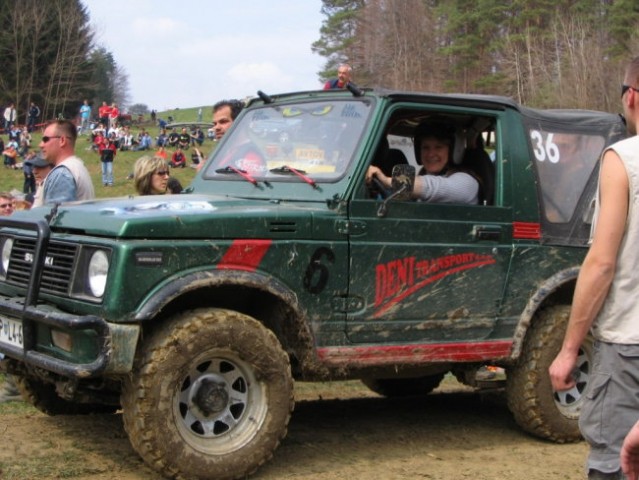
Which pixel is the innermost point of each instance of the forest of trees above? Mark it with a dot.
(547, 53)
(49, 57)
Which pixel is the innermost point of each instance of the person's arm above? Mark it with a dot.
(630, 454)
(460, 187)
(598, 268)
(59, 186)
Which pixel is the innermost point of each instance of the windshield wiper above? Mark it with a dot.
(237, 171)
(286, 170)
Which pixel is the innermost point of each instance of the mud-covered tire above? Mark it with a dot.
(210, 396)
(44, 397)
(536, 408)
(403, 387)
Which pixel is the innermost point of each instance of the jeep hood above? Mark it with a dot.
(184, 217)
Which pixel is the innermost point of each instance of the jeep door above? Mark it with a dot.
(430, 273)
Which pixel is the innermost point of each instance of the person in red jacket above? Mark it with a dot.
(114, 114)
(107, 150)
(178, 159)
(103, 112)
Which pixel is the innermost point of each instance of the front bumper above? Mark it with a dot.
(110, 347)
(113, 344)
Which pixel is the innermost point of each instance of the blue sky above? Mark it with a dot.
(196, 52)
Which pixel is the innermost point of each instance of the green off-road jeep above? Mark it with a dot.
(194, 313)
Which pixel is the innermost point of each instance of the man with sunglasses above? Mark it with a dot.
(69, 180)
(605, 304)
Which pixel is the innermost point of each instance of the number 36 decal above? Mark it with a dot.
(544, 148)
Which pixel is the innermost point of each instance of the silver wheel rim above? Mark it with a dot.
(569, 401)
(219, 406)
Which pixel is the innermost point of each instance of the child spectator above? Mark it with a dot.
(173, 186)
(107, 151)
(29, 186)
(196, 157)
(161, 152)
(10, 153)
(178, 160)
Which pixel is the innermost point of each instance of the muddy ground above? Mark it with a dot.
(338, 431)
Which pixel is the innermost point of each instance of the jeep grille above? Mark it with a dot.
(58, 265)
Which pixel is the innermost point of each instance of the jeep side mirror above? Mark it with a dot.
(402, 184)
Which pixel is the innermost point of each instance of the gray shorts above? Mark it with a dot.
(611, 403)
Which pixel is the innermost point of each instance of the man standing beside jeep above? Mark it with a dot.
(69, 180)
(605, 302)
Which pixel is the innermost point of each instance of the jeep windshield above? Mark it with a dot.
(310, 143)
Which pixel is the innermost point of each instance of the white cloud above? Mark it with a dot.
(155, 27)
(205, 51)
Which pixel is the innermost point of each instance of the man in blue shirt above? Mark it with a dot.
(85, 116)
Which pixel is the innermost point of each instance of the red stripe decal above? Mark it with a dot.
(526, 231)
(386, 355)
(244, 255)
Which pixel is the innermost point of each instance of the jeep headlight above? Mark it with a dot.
(7, 246)
(97, 271)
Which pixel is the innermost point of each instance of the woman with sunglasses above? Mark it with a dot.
(151, 175)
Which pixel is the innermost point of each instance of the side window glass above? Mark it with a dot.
(470, 141)
(565, 162)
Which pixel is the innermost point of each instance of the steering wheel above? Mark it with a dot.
(377, 189)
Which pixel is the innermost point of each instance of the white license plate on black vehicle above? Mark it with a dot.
(11, 332)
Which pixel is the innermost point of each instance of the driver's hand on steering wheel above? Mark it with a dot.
(373, 173)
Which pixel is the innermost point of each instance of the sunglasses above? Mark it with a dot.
(46, 138)
(625, 88)
(6, 205)
(163, 173)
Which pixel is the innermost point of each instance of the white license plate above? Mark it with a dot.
(11, 332)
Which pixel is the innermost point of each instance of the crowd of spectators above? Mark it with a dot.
(106, 136)
(56, 175)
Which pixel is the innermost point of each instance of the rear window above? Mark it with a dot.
(565, 163)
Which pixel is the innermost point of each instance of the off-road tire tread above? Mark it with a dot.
(528, 387)
(174, 337)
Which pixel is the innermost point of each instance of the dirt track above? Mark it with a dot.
(350, 434)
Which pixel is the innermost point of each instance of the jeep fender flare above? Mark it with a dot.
(298, 335)
(544, 292)
(175, 287)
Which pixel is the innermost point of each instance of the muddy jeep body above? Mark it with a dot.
(194, 313)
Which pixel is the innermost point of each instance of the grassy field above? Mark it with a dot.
(12, 180)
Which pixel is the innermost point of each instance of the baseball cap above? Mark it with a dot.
(38, 162)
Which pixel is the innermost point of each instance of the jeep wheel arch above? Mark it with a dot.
(261, 297)
(557, 289)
